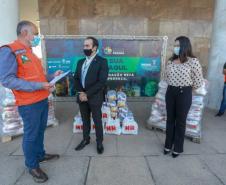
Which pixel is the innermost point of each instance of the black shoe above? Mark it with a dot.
(82, 144)
(166, 151)
(219, 114)
(174, 154)
(38, 175)
(100, 148)
(49, 157)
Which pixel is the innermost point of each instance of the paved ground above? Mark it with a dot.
(128, 160)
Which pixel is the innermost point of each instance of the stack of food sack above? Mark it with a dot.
(11, 121)
(120, 119)
(51, 114)
(116, 117)
(193, 122)
(112, 123)
(158, 110)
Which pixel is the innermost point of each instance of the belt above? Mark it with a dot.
(180, 88)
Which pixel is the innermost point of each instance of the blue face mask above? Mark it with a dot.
(176, 50)
(36, 40)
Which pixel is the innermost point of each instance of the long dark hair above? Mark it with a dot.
(185, 50)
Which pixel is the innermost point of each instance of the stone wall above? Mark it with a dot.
(192, 18)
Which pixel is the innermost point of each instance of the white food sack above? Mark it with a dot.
(111, 95)
(163, 84)
(77, 125)
(113, 127)
(106, 113)
(129, 126)
(121, 96)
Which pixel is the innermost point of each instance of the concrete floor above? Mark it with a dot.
(128, 160)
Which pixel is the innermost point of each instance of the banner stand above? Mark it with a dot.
(136, 63)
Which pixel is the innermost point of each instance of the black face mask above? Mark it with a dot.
(87, 52)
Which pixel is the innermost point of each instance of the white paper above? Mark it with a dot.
(57, 78)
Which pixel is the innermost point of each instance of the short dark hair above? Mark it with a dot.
(185, 49)
(21, 25)
(95, 41)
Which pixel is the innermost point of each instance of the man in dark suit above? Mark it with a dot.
(90, 80)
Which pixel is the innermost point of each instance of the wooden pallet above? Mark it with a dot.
(8, 138)
(192, 138)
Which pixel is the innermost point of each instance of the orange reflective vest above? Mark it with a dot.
(29, 69)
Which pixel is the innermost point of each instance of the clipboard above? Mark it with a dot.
(57, 78)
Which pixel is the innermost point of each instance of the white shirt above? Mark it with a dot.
(85, 68)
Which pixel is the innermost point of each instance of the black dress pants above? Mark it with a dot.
(178, 103)
(86, 109)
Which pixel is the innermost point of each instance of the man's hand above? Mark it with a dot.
(47, 86)
(52, 89)
(83, 97)
(57, 73)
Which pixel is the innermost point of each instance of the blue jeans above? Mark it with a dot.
(223, 101)
(35, 118)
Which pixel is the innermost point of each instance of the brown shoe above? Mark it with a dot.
(38, 175)
(49, 157)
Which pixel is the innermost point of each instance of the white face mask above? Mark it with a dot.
(176, 50)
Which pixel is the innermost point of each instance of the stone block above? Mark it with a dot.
(202, 3)
(44, 26)
(184, 170)
(166, 28)
(85, 9)
(72, 27)
(107, 8)
(120, 171)
(11, 169)
(217, 165)
(153, 27)
(130, 26)
(66, 170)
(200, 14)
(58, 26)
(200, 29)
(87, 26)
(181, 28)
(104, 26)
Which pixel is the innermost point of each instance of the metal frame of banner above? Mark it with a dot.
(123, 37)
